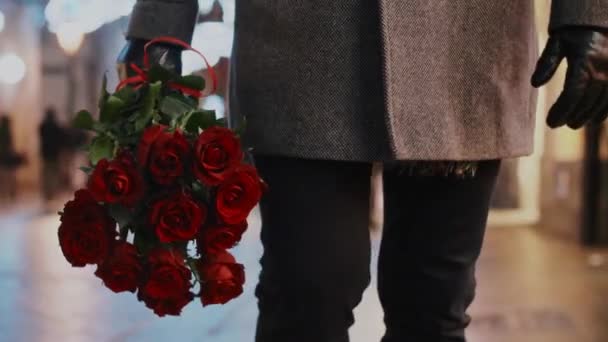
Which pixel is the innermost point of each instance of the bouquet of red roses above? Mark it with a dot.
(167, 195)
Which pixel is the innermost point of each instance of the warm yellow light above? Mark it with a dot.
(70, 37)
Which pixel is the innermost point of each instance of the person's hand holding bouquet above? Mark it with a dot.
(167, 55)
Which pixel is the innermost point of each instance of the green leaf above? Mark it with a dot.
(156, 118)
(150, 98)
(103, 97)
(83, 120)
(129, 140)
(144, 240)
(127, 94)
(174, 123)
(221, 122)
(141, 124)
(159, 73)
(101, 147)
(145, 114)
(140, 243)
(192, 81)
(197, 187)
(191, 101)
(200, 192)
(199, 119)
(133, 117)
(172, 105)
(110, 110)
(142, 121)
(99, 127)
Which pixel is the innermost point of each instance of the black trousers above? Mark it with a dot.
(316, 261)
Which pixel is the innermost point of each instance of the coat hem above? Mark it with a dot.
(512, 154)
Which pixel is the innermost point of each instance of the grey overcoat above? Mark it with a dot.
(370, 80)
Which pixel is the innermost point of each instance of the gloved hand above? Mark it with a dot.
(165, 54)
(585, 95)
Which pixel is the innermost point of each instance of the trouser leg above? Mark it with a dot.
(433, 232)
(316, 258)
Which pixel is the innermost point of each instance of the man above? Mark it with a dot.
(438, 90)
(8, 183)
(51, 144)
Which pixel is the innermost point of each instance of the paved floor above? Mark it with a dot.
(532, 288)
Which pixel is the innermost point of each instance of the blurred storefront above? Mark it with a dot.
(54, 54)
(51, 68)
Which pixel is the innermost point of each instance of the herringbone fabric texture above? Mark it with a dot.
(154, 18)
(389, 80)
(307, 78)
(579, 12)
(458, 78)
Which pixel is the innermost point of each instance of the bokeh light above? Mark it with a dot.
(87, 15)
(12, 68)
(70, 37)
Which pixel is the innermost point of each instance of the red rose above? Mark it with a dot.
(117, 181)
(177, 218)
(239, 194)
(121, 270)
(217, 152)
(222, 278)
(164, 154)
(220, 237)
(86, 231)
(166, 289)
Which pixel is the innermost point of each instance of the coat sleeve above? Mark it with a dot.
(579, 13)
(153, 18)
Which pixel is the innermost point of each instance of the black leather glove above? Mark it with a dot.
(585, 95)
(165, 54)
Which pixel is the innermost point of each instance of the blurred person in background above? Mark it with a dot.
(52, 139)
(6, 136)
(439, 91)
(10, 160)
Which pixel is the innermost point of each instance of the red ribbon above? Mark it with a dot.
(141, 76)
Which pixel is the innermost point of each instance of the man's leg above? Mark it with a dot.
(434, 228)
(316, 258)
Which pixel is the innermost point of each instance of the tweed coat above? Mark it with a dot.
(381, 80)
